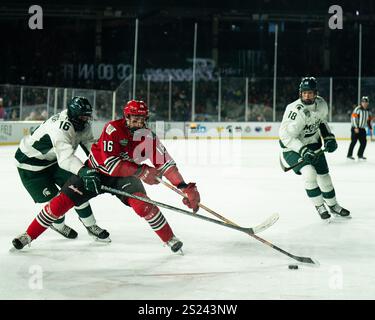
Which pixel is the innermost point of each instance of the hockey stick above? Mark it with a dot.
(263, 226)
(236, 227)
(250, 231)
(285, 169)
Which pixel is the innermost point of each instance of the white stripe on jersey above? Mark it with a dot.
(167, 165)
(107, 169)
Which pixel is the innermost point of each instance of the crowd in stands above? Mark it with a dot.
(260, 100)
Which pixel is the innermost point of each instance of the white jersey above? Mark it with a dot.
(302, 123)
(54, 141)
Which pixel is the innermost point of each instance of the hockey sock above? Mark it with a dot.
(325, 184)
(42, 221)
(56, 208)
(315, 196)
(159, 224)
(153, 216)
(85, 214)
(311, 186)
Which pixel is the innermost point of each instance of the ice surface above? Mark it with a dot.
(241, 180)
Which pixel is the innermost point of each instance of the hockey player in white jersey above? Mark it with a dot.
(302, 129)
(46, 158)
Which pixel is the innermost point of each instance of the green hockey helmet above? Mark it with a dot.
(308, 84)
(79, 112)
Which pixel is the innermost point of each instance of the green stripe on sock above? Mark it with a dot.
(329, 195)
(314, 192)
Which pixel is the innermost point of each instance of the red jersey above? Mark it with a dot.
(118, 152)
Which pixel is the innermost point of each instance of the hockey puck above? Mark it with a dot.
(293, 266)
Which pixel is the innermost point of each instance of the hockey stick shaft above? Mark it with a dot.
(199, 204)
(249, 231)
(300, 259)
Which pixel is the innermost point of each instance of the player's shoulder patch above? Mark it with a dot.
(110, 129)
(299, 107)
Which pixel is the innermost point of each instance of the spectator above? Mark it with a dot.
(32, 116)
(14, 115)
(2, 110)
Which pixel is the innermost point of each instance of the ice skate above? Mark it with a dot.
(64, 230)
(339, 211)
(323, 213)
(21, 241)
(98, 233)
(175, 244)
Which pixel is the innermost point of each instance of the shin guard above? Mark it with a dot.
(153, 216)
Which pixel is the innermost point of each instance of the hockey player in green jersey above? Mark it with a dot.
(46, 159)
(302, 129)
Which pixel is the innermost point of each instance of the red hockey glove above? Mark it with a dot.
(148, 174)
(192, 195)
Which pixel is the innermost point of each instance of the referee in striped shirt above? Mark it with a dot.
(361, 118)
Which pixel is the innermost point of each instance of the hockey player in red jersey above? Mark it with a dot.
(118, 158)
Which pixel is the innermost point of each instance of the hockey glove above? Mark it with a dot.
(147, 174)
(330, 143)
(91, 179)
(192, 198)
(308, 155)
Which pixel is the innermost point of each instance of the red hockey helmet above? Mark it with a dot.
(135, 108)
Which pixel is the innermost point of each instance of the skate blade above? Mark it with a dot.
(179, 252)
(327, 221)
(338, 217)
(106, 240)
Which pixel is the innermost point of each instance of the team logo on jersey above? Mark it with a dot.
(125, 156)
(311, 128)
(110, 129)
(124, 142)
(46, 192)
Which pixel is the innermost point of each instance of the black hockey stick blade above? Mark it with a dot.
(307, 260)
